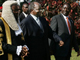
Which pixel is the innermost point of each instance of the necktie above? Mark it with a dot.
(69, 27)
(39, 23)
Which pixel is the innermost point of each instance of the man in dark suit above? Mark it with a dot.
(24, 11)
(36, 32)
(64, 27)
(12, 45)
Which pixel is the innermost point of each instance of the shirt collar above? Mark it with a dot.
(64, 16)
(34, 16)
(25, 14)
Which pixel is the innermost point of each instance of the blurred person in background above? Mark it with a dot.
(24, 11)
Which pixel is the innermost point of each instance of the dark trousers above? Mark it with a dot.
(62, 58)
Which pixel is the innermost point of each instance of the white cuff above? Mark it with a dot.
(19, 48)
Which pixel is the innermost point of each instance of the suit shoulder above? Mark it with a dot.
(56, 16)
(42, 18)
(21, 14)
(26, 19)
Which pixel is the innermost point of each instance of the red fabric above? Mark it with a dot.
(68, 25)
(48, 8)
(1, 7)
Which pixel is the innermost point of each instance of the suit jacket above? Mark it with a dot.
(21, 17)
(7, 48)
(37, 38)
(58, 24)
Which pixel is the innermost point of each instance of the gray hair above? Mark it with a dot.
(31, 6)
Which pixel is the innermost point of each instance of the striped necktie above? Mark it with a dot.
(69, 27)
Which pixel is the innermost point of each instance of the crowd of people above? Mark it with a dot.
(25, 30)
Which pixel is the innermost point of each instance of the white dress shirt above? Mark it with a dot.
(37, 20)
(25, 14)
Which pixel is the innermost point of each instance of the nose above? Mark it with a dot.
(66, 9)
(16, 11)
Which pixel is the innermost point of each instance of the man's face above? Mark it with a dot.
(19, 10)
(36, 10)
(15, 11)
(25, 8)
(65, 9)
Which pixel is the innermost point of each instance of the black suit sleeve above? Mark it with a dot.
(23, 27)
(21, 17)
(9, 48)
(52, 34)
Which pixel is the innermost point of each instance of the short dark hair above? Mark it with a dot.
(14, 4)
(24, 3)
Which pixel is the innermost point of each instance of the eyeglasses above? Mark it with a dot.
(26, 7)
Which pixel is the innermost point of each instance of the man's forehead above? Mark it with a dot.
(14, 7)
(25, 5)
(37, 5)
(65, 5)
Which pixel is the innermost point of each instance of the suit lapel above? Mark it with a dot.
(23, 15)
(35, 23)
(42, 23)
(64, 23)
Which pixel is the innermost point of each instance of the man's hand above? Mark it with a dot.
(24, 52)
(61, 43)
(78, 53)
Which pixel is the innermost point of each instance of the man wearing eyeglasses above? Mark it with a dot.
(24, 11)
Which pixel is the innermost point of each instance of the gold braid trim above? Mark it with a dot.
(1, 29)
(1, 35)
(1, 50)
(22, 39)
(8, 36)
